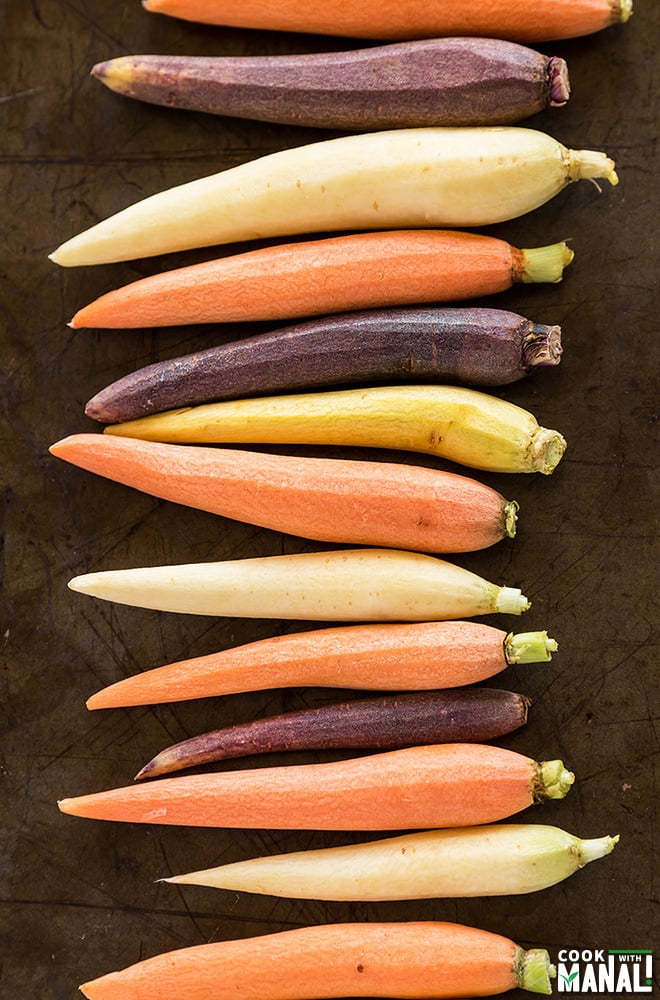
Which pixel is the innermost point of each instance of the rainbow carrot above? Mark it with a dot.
(327, 276)
(471, 346)
(340, 585)
(462, 425)
(413, 960)
(404, 178)
(442, 81)
(384, 723)
(451, 784)
(497, 860)
(518, 20)
(368, 657)
(332, 500)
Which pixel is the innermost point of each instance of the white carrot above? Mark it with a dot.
(384, 180)
(498, 860)
(345, 585)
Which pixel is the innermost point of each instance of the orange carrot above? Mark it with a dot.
(368, 657)
(452, 784)
(332, 500)
(326, 276)
(518, 20)
(422, 959)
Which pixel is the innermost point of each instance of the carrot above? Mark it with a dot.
(471, 346)
(468, 427)
(340, 585)
(414, 960)
(451, 784)
(497, 860)
(404, 178)
(326, 276)
(385, 723)
(332, 500)
(442, 81)
(369, 657)
(518, 20)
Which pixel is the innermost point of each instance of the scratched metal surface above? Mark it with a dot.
(78, 898)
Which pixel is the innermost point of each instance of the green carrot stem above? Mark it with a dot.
(593, 850)
(536, 971)
(529, 647)
(546, 263)
(553, 780)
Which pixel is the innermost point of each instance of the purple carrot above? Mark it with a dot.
(442, 81)
(471, 346)
(385, 723)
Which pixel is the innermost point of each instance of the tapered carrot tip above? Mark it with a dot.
(116, 75)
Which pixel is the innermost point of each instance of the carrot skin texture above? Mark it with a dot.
(479, 347)
(386, 723)
(376, 657)
(408, 960)
(363, 503)
(443, 81)
(518, 20)
(452, 784)
(290, 280)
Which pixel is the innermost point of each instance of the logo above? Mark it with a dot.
(600, 971)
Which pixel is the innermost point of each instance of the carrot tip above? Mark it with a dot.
(626, 11)
(510, 518)
(148, 771)
(553, 781)
(536, 971)
(546, 264)
(560, 87)
(590, 164)
(547, 448)
(593, 850)
(510, 601)
(529, 647)
(542, 347)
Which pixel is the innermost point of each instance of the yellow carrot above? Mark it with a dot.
(463, 425)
